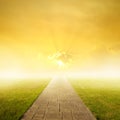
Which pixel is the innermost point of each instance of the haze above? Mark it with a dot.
(31, 30)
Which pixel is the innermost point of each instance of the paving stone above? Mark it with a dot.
(67, 115)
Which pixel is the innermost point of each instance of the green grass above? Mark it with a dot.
(16, 98)
(101, 96)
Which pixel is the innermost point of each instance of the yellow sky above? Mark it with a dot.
(31, 30)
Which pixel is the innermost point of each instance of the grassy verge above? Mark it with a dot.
(101, 96)
(17, 98)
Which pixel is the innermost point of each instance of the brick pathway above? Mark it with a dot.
(58, 102)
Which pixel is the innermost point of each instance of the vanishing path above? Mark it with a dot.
(58, 102)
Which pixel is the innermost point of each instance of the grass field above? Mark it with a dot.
(101, 96)
(16, 98)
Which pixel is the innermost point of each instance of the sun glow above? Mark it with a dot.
(61, 59)
(60, 63)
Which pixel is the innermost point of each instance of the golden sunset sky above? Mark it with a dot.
(31, 30)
